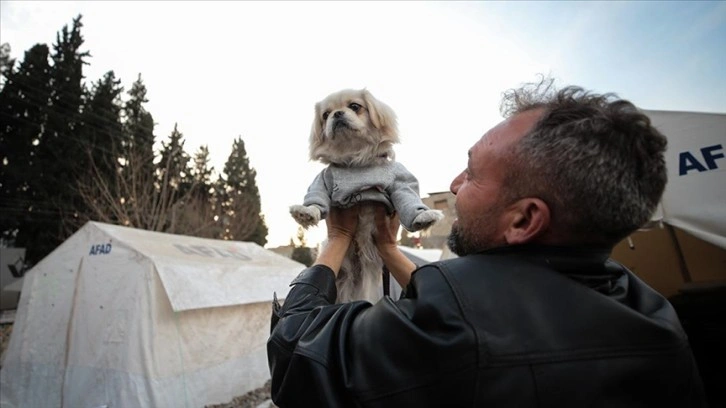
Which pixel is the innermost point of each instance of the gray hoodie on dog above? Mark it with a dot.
(391, 184)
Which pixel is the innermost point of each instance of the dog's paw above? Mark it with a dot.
(305, 216)
(426, 219)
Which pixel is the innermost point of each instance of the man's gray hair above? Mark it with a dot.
(594, 159)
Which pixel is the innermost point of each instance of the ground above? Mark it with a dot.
(259, 398)
(5, 330)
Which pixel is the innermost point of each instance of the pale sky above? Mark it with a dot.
(255, 69)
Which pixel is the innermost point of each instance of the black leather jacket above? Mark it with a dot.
(513, 327)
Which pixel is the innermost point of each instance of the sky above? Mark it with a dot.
(222, 70)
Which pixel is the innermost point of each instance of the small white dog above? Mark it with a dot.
(354, 133)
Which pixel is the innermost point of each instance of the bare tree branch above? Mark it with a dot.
(139, 200)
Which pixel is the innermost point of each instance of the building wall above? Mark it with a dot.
(435, 237)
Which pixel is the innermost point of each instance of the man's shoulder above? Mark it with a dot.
(484, 260)
(473, 272)
(519, 296)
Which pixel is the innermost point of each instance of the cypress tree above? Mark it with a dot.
(174, 180)
(202, 174)
(301, 252)
(102, 129)
(174, 167)
(59, 153)
(198, 214)
(23, 109)
(241, 199)
(6, 63)
(139, 129)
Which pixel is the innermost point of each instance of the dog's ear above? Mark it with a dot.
(316, 133)
(382, 116)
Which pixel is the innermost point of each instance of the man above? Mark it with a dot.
(532, 313)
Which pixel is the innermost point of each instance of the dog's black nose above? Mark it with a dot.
(338, 114)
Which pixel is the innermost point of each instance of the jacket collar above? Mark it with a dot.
(587, 265)
(562, 258)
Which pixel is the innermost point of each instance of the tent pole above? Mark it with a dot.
(681, 259)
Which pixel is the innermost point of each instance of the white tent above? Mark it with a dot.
(119, 317)
(695, 197)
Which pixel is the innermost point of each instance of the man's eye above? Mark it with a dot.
(354, 107)
(325, 115)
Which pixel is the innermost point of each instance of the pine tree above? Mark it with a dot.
(240, 201)
(24, 111)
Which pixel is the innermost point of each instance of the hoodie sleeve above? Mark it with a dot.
(405, 196)
(319, 193)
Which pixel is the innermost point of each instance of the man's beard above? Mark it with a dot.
(460, 244)
(480, 235)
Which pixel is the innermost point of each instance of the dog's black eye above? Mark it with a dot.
(326, 114)
(354, 107)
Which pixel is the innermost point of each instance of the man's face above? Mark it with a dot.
(480, 190)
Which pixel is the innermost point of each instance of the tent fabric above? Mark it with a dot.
(695, 196)
(123, 317)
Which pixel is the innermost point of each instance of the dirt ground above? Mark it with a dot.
(5, 330)
(259, 398)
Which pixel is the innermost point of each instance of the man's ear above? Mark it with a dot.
(527, 220)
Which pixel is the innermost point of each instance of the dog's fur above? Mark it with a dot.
(353, 129)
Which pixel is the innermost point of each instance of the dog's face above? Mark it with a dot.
(352, 128)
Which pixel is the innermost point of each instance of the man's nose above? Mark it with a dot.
(456, 183)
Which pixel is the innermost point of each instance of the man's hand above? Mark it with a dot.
(341, 224)
(398, 264)
(387, 226)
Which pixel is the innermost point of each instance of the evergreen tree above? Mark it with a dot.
(6, 63)
(202, 213)
(100, 137)
(260, 234)
(174, 179)
(23, 111)
(202, 173)
(240, 201)
(139, 128)
(137, 192)
(60, 159)
(300, 252)
(219, 200)
(174, 167)
(102, 129)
